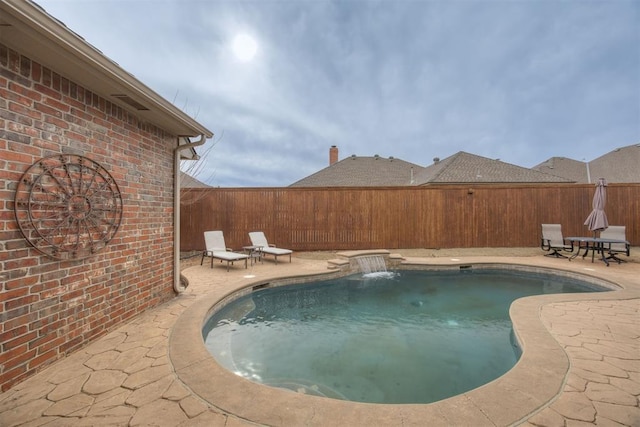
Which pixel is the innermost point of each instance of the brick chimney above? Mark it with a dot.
(333, 155)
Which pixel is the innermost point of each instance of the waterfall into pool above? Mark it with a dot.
(373, 266)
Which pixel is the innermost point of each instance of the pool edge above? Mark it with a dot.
(542, 368)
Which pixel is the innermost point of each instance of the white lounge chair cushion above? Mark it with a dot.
(216, 247)
(259, 239)
(275, 251)
(228, 256)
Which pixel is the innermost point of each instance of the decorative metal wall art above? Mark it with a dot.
(68, 206)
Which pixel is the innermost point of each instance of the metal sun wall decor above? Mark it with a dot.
(68, 207)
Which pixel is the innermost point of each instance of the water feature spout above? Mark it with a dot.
(372, 264)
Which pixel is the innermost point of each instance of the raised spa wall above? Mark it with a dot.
(347, 262)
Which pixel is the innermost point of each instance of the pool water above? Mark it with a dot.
(412, 337)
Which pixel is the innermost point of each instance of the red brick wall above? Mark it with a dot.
(49, 308)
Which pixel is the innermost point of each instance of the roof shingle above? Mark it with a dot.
(620, 165)
(463, 167)
(357, 171)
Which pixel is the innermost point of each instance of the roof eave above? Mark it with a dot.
(29, 30)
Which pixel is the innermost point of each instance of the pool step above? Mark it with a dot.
(337, 263)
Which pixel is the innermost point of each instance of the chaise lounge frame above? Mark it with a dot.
(216, 248)
(259, 239)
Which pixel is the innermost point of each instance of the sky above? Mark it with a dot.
(520, 80)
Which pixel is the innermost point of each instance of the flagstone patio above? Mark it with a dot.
(133, 377)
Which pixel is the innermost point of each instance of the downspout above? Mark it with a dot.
(177, 287)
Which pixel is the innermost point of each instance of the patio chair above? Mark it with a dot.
(616, 232)
(552, 240)
(258, 239)
(216, 248)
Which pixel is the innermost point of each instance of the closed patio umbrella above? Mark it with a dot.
(597, 219)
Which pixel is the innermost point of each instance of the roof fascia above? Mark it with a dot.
(28, 29)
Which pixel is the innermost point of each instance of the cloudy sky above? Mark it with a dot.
(519, 80)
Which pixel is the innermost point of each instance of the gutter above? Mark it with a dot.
(177, 285)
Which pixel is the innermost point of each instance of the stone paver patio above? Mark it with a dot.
(147, 372)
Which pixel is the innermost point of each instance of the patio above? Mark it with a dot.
(132, 377)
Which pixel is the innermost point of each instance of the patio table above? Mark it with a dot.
(254, 252)
(593, 244)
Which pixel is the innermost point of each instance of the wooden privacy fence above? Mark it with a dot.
(451, 216)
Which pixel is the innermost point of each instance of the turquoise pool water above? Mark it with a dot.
(415, 337)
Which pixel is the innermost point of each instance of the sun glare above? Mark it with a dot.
(244, 47)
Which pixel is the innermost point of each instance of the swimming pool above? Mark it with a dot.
(418, 337)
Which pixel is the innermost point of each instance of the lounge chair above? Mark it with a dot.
(258, 239)
(216, 248)
(617, 232)
(552, 240)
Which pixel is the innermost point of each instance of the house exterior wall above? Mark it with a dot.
(48, 307)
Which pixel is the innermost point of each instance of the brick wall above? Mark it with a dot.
(49, 307)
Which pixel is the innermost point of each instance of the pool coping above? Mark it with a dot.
(531, 385)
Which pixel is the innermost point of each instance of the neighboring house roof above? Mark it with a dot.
(187, 181)
(561, 166)
(358, 171)
(465, 168)
(28, 29)
(456, 169)
(619, 165)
